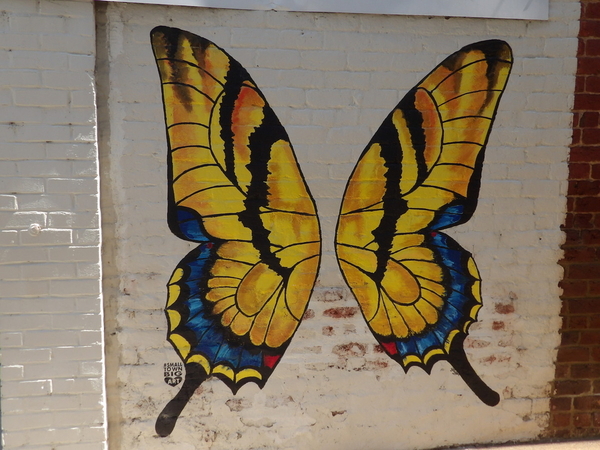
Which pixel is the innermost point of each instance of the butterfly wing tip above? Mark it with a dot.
(158, 29)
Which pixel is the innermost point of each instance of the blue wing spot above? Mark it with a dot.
(189, 225)
(448, 217)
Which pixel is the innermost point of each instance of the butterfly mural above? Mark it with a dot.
(235, 188)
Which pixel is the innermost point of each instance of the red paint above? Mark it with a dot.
(271, 360)
(390, 347)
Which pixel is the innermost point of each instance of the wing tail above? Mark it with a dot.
(195, 375)
(458, 360)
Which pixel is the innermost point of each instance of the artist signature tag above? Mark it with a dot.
(173, 373)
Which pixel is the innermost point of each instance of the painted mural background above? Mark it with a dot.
(332, 87)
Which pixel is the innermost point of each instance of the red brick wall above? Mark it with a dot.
(575, 406)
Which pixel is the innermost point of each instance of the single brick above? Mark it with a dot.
(573, 354)
(590, 136)
(580, 254)
(561, 420)
(584, 305)
(589, 119)
(563, 371)
(588, 102)
(569, 337)
(582, 420)
(584, 187)
(588, 28)
(578, 322)
(560, 404)
(585, 371)
(587, 403)
(591, 10)
(572, 387)
(592, 83)
(584, 271)
(590, 337)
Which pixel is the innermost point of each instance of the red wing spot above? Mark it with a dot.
(209, 245)
(271, 361)
(434, 234)
(390, 347)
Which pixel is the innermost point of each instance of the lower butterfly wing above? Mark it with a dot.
(418, 290)
(235, 188)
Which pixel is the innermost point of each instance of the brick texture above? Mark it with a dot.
(576, 394)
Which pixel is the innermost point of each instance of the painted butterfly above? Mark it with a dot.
(236, 189)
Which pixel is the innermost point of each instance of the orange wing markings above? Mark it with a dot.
(459, 95)
(472, 65)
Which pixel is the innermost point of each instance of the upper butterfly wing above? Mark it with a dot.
(419, 291)
(236, 188)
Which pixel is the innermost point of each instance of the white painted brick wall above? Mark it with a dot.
(332, 79)
(51, 322)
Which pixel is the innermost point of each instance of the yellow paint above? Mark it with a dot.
(248, 373)
(185, 135)
(357, 229)
(363, 259)
(241, 324)
(364, 289)
(367, 183)
(299, 287)
(225, 371)
(398, 324)
(181, 344)
(399, 284)
(173, 289)
(174, 318)
(282, 325)
(261, 323)
(258, 287)
(199, 359)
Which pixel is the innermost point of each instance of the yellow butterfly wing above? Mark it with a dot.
(235, 187)
(418, 290)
